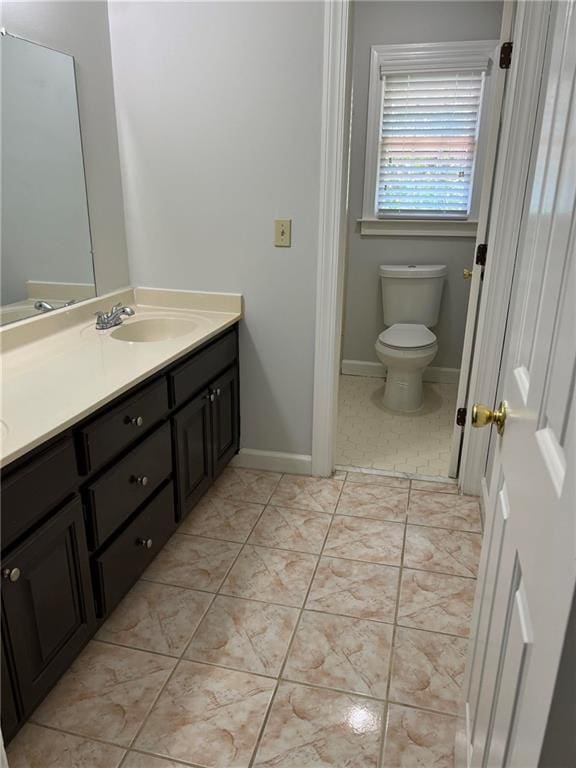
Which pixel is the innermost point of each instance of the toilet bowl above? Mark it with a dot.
(411, 296)
(406, 350)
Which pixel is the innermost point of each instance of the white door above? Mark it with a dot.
(487, 200)
(528, 569)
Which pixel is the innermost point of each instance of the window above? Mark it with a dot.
(424, 134)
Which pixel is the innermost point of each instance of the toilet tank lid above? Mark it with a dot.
(413, 270)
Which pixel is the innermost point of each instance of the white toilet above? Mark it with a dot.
(411, 298)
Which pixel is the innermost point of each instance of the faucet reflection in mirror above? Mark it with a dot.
(46, 250)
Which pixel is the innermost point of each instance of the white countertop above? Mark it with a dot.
(57, 369)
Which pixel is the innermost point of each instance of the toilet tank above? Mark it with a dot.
(412, 293)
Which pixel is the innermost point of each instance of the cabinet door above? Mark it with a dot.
(193, 461)
(225, 419)
(47, 600)
(10, 718)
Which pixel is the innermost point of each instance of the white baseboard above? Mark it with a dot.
(367, 368)
(273, 461)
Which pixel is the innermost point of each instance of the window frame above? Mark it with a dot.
(423, 57)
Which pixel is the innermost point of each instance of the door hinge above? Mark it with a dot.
(461, 417)
(481, 252)
(506, 55)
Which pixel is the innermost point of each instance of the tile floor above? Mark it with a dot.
(292, 622)
(372, 436)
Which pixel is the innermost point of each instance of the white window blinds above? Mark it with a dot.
(428, 136)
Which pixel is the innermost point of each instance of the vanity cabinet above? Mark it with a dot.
(192, 431)
(84, 515)
(47, 601)
(10, 714)
(206, 433)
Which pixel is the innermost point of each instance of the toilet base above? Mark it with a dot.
(403, 390)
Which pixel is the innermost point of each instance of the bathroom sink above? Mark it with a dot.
(155, 329)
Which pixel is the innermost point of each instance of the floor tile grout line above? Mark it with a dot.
(164, 686)
(372, 518)
(143, 753)
(291, 641)
(96, 739)
(393, 641)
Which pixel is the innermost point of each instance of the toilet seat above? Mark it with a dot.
(407, 336)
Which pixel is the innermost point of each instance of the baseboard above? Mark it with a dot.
(367, 368)
(274, 461)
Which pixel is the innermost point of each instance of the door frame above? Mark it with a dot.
(513, 169)
(333, 212)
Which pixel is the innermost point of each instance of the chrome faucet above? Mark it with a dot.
(105, 320)
(45, 306)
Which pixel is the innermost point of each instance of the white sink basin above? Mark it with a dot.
(155, 329)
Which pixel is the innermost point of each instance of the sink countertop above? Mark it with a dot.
(57, 369)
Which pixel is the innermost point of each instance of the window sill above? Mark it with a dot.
(417, 227)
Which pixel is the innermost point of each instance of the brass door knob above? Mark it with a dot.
(482, 416)
(467, 274)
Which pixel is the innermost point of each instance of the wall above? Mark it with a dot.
(404, 22)
(219, 110)
(45, 231)
(81, 29)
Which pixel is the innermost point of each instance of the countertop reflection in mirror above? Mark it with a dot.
(46, 252)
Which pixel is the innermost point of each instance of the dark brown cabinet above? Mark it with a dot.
(225, 419)
(10, 716)
(118, 567)
(85, 514)
(206, 434)
(47, 602)
(193, 451)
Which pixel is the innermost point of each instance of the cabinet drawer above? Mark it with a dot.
(120, 490)
(118, 567)
(108, 434)
(32, 491)
(191, 377)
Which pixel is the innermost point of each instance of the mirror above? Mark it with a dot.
(46, 251)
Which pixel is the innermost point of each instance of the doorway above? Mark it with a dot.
(423, 441)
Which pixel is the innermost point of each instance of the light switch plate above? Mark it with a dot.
(283, 233)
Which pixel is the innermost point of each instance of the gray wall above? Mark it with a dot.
(81, 29)
(219, 110)
(378, 23)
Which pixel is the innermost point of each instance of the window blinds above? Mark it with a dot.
(428, 137)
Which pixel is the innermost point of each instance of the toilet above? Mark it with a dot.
(411, 298)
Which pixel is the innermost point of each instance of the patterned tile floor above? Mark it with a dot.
(370, 435)
(291, 622)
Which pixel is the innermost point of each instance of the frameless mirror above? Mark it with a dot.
(46, 252)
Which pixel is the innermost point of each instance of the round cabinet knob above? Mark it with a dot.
(11, 574)
(218, 392)
(146, 543)
(467, 274)
(140, 479)
(136, 421)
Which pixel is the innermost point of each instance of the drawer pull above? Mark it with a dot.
(135, 421)
(140, 479)
(11, 574)
(146, 543)
(218, 392)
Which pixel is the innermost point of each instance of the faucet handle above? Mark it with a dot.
(99, 314)
(116, 307)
